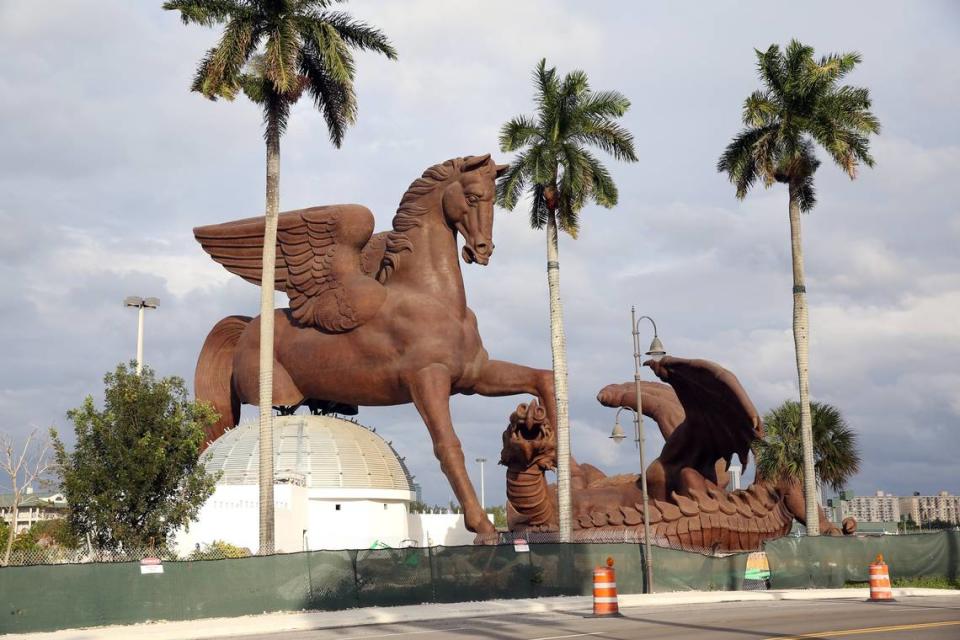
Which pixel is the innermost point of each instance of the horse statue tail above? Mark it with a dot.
(213, 381)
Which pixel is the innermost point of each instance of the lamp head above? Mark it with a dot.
(132, 301)
(656, 350)
(617, 435)
(151, 303)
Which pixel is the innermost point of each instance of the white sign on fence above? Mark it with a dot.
(150, 565)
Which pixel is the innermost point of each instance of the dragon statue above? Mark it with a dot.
(705, 417)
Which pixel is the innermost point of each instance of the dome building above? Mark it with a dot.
(338, 485)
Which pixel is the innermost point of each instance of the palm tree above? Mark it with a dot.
(561, 175)
(273, 51)
(780, 454)
(800, 105)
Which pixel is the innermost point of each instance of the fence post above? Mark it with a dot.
(433, 579)
(356, 574)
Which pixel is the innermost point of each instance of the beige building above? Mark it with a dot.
(882, 507)
(33, 508)
(922, 509)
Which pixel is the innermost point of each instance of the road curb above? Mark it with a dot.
(312, 620)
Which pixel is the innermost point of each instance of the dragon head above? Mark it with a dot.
(529, 440)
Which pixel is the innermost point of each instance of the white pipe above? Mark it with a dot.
(140, 339)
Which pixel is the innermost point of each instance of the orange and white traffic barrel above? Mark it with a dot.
(880, 581)
(605, 603)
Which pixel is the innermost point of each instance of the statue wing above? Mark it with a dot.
(318, 262)
(720, 418)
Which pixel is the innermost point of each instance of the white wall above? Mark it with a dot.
(357, 524)
(445, 529)
(232, 514)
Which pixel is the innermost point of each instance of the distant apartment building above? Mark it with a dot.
(885, 507)
(921, 509)
(33, 508)
(882, 507)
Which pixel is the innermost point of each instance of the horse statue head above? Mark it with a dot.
(463, 190)
(468, 206)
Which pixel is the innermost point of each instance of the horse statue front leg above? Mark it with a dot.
(500, 378)
(430, 391)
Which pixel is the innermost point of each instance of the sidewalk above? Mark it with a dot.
(305, 621)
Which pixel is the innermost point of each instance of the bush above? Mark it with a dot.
(219, 549)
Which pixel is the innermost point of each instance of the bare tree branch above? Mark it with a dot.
(22, 467)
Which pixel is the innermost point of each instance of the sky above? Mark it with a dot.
(108, 162)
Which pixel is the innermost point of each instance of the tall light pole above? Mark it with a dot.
(140, 304)
(656, 351)
(483, 501)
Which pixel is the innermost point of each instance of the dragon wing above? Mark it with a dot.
(720, 418)
(318, 262)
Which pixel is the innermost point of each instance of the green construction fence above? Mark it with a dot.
(50, 597)
(831, 562)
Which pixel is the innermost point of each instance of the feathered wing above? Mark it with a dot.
(319, 262)
(720, 418)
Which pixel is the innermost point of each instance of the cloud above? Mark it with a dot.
(109, 162)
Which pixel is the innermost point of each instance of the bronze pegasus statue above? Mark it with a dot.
(705, 417)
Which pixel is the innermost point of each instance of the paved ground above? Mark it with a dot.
(920, 618)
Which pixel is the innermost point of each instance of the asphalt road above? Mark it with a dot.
(920, 618)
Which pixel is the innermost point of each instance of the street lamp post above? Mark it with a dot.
(656, 351)
(140, 304)
(483, 501)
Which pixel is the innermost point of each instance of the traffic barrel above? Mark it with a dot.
(605, 603)
(880, 590)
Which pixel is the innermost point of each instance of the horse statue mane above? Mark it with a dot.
(411, 209)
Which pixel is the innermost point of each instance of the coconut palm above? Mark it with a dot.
(561, 175)
(800, 105)
(273, 51)
(780, 454)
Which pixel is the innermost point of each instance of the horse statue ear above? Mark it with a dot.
(501, 169)
(473, 162)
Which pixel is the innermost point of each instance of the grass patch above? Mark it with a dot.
(920, 582)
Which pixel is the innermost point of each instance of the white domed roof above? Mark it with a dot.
(321, 452)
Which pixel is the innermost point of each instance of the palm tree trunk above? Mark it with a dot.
(801, 339)
(266, 336)
(558, 344)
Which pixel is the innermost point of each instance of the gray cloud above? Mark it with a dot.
(109, 162)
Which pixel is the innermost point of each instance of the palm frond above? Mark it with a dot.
(760, 109)
(805, 193)
(208, 13)
(280, 56)
(770, 68)
(608, 136)
(219, 69)
(511, 184)
(354, 33)
(335, 99)
(539, 212)
(276, 112)
(604, 104)
(603, 190)
(837, 65)
(749, 156)
(518, 132)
